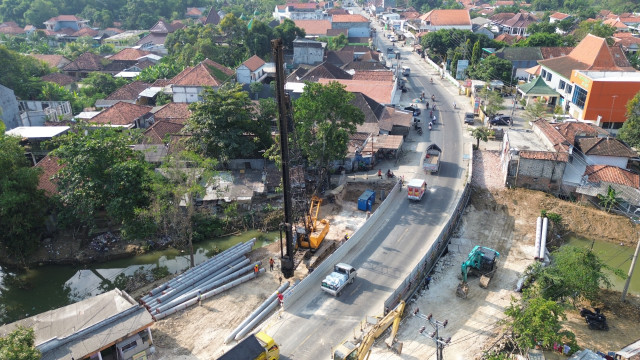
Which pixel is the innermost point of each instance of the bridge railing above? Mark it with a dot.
(413, 281)
(314, 279)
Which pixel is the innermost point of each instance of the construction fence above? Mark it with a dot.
(413, 281)
(314, 279)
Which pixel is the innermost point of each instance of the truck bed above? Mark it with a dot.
(432, 159)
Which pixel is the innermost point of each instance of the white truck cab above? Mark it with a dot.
(342, 275)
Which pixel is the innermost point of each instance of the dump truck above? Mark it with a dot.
(432, 159)
(259, 346)
(342, 275)
(481, 260)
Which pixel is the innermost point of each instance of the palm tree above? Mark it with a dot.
(480, 133)
(609, 200)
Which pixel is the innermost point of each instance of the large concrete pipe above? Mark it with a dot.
(543, 238)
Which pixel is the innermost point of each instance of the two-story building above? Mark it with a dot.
(595, 60)
(61, 22)
(302, 11)
(306, 51)
(252, 70)
(357, 25)
(445, 19)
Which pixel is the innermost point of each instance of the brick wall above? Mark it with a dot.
(544, 175)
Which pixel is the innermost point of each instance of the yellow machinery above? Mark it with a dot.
(359, 349)
(316, 229)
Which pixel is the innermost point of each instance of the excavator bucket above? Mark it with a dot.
(462, 290)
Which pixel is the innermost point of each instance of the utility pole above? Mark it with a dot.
(435, 335)
(633, 265)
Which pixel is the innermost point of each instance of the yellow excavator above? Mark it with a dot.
(316, 229)
(359, 348)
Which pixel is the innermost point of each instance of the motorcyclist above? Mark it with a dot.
(433, 97)
(389, 173)
(430, 126)
(432, 80)
(454, 105)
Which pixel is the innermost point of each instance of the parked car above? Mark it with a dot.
(416, 111)
(501, 120)
(469, 118)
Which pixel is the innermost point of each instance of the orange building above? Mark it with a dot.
(602, 96)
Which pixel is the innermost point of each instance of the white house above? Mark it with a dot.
(356, 25)
(251, 70)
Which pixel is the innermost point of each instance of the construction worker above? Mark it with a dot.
(256, 269)
(271, 262)
(380, 173)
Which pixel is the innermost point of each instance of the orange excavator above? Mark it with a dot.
(316, 230)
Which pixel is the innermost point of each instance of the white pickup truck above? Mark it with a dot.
(342, 275)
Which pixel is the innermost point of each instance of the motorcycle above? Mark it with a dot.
(433, 98)
(390, 175)
(430, 126)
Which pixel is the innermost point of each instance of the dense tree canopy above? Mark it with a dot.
(444, 41)
(22, 204)
(324, 118)
(630, 131)
(224, 126)
(492, 68)
(100, 173)
(19, 345)
(21, 73)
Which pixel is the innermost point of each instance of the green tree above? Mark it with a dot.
(441, 41)
(535, 110)
(223, 125)
(630, 131)
(492, 101)
(475, 53)
(288, 31)
(610, 200)
(101, 172)
(166, 69)
(542, 27)
(480, 133)
(543, 39)
(324, 118)
(39, 12)
(19, 345)
(259, 39)
(21, 73)
(537, 320)
(574, 273)
(597, 28)
(454, 63)
(22, 204)
(184, 179)
(492, 68)
(54, 92)
(256, 87)
(102, 83)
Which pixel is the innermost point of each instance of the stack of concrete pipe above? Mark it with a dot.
(220, 273)
(259, 313)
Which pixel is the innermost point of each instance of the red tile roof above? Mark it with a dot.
(158, 132)
(544, 155)
(379, 91)
(254, 63)
(501, 17)
(86, 31)
(129, 91)
(202, 75)
(337, 11)
(58, 78)
(357, 18)
(85, 62)
(383, 75)
(559, 16)
(51, 60)
(556, 139)
(612, 174)
(193, 11)
(440, 17)
(129, 54)
(572, 129)
(592, 53)
(617, 24)
(175, 112)
(122, 113)
(314, 27)
(509, 39)
(50, 167)
(520, 20)
(63, 18)
(11, 28)
(605, 147)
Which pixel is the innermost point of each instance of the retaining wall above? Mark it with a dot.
(413, 281)
(314, 279)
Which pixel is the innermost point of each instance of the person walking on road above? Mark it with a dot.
(271, 262)
(380, 173)
(427, 281)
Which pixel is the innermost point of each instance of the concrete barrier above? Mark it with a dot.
(314, 279)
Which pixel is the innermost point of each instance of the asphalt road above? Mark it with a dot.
(317, 322)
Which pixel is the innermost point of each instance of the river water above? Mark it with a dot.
(616, 256)
(49, 287)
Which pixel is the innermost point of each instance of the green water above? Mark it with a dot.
(616, 256)
(43, 288)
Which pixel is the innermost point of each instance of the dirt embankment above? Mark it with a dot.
(577, 219)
